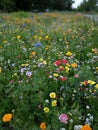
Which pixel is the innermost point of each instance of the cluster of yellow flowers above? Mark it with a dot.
(53, 102)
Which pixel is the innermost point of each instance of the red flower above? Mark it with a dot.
(63, 78)
(57, 63)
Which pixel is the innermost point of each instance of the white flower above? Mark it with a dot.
(71, 121)
(75, 127)
(47, 101)
(62, 129)
(91, 118)
(87, 107)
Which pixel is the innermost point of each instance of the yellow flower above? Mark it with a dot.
(47, 37)
(54, 103)
(67, 69)
(24, 65)
(44, 62)
(96, 86)
(74, 65)
(97, 69)
(7, 117)
(5, 41)
(69, 53)
(52, 95)
(40, 38)
(43, 126)
(91, 82)
(0, 69)
(46, 109)
(18, 37)
(55, 75)
(35, 36)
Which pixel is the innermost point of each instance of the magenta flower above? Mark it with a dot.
(63, 118)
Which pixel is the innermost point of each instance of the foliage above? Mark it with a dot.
(30, 5)
(89, 5)
(48, 71)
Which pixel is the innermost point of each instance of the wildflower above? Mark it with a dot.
(38, 45)
(96, 86)
(64, 61)
(33, 52)
(44, 62)
(63, 78)
(77, 127)
(54, 103)
(63, 118)
(95, 50)
(67, 69)
(69, 53)
(40, 38)
(55, 75)
(61, 68)
(24, 65)
(18, 37)
(29, 73)
(43, 126)
(91, 82)
(7, 117)
(46, 37)
(86, 127)
(35, 36)
(76, 75)
(85, 83)
(46, 109)
(52, 95)
(57, 63)
(74, 65)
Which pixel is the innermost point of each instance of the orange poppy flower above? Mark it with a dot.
(7, 117)
(86, 127)
(43, 126)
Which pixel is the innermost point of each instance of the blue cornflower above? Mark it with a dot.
(37, 44)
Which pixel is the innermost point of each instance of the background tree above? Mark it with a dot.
(41, 5)
(88, 5)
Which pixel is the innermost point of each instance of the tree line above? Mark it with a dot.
(40, 5)
(88, 5)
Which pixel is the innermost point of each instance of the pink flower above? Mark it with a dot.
(63, 118)
(76, 75)
(64, 61)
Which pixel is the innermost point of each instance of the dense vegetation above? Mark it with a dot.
(88, 5)
(40, 5)
(48, 71)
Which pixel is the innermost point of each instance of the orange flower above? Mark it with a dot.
(74, 65)
(86, 127)
(7, 117)
(43, 126)
(33, 52)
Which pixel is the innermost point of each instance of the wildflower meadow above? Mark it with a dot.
(48, 71)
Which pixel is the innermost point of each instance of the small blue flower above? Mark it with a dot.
(37, 44)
